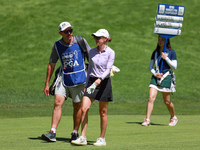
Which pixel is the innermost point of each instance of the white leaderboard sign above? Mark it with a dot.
(169, 19)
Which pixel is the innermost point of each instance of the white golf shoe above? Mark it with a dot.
(146, 122)
(173, 121)
(80, 141)
(100, 142)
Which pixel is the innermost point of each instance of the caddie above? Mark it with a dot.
(71, 80)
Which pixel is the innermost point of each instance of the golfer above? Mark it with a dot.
(71, 79)
(162, 82)
(98, 85)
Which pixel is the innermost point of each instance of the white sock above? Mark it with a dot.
(102, 138)
(54, 130)
(83, 137)
(148, 119)
(75, 131)
(174, 117)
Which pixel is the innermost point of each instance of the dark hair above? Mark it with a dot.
(168, 45)
(109, 39)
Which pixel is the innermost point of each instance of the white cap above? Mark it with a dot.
(64, 25)
(101, 32)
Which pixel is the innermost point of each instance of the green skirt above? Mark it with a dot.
(165, 83)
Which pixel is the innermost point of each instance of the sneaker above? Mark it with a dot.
(50, 136)
(173, 121)
(100, 142)
(74, 136)
(80, 141)
(146, 122)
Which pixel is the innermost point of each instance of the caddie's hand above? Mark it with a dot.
(84, 89)
(91, 88)
(163, 55)
(46, 90)
(159, 75)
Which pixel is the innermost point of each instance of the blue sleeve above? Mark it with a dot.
(153, 55)
(172, 55)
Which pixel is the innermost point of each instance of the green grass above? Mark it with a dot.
(130, 108)
(123, 132)
(30, 27)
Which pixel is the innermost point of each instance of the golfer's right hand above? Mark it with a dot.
(46, 90)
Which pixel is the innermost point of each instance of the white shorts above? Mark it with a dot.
(75, 93)
(163, 89)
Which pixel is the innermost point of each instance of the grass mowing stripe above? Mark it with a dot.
(115, 108)
(29, 29)
(123, 132)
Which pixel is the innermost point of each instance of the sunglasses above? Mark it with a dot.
(98, 37)
(67, 31)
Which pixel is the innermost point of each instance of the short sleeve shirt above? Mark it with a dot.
(54, 56)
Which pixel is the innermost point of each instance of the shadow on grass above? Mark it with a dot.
(88, 143)
(58, 139)
(47, 141)
(140, 123)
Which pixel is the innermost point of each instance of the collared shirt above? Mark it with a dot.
(54, 56)
(100, 63)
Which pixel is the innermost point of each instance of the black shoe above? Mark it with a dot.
(74, 136)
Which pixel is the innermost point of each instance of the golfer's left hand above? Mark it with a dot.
(91, 88)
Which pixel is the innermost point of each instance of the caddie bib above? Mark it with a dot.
(72, 64)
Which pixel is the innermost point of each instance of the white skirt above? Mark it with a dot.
(163, 89)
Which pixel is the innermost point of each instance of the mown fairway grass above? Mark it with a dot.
(30, 27)
(123, 132)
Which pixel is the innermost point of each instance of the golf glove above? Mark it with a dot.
(91, 88)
